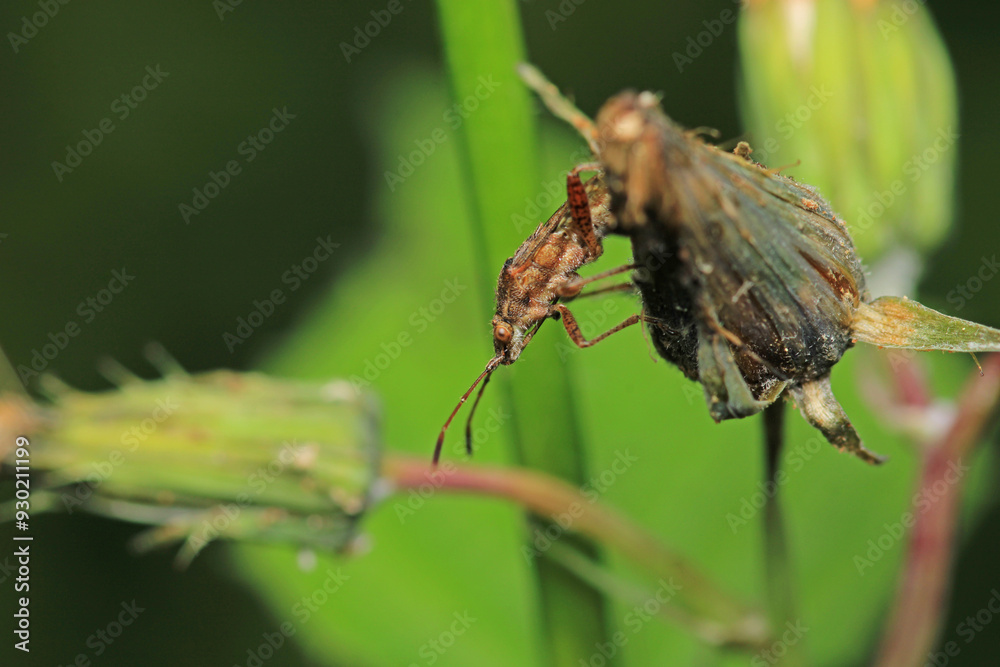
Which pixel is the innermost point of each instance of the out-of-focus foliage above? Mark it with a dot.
(398, 307)
(861, 97)
(692, 482)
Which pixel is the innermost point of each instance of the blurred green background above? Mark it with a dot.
(400, 248)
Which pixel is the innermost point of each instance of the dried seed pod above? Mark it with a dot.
(764, 290)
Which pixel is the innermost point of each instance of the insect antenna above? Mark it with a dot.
(490, 367)
(472, 412)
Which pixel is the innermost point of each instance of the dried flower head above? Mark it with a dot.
(752, 280)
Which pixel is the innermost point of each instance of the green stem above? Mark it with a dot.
(658, 602)
(483, 44)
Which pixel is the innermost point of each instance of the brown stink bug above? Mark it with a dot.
(540, 274)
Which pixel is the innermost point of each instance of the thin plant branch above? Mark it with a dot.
(921, 601)
(781, 607)
(658, 602)
(554, 499)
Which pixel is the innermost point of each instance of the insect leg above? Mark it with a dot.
(579, 205)
(620, 287)
(573, 329)
(571, 288)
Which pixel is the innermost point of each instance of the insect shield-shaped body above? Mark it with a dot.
(543, 271)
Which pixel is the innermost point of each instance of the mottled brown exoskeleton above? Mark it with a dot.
(542, 272)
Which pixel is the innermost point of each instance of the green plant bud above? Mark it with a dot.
(227, 455)
(860, 97)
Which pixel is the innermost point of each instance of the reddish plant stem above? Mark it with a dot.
(550, 497)
(910, 378)
(921, 598)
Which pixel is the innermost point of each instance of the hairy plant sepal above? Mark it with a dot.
(220, 455)
(902, 323)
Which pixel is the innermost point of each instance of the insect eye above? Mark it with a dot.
(502, 333)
